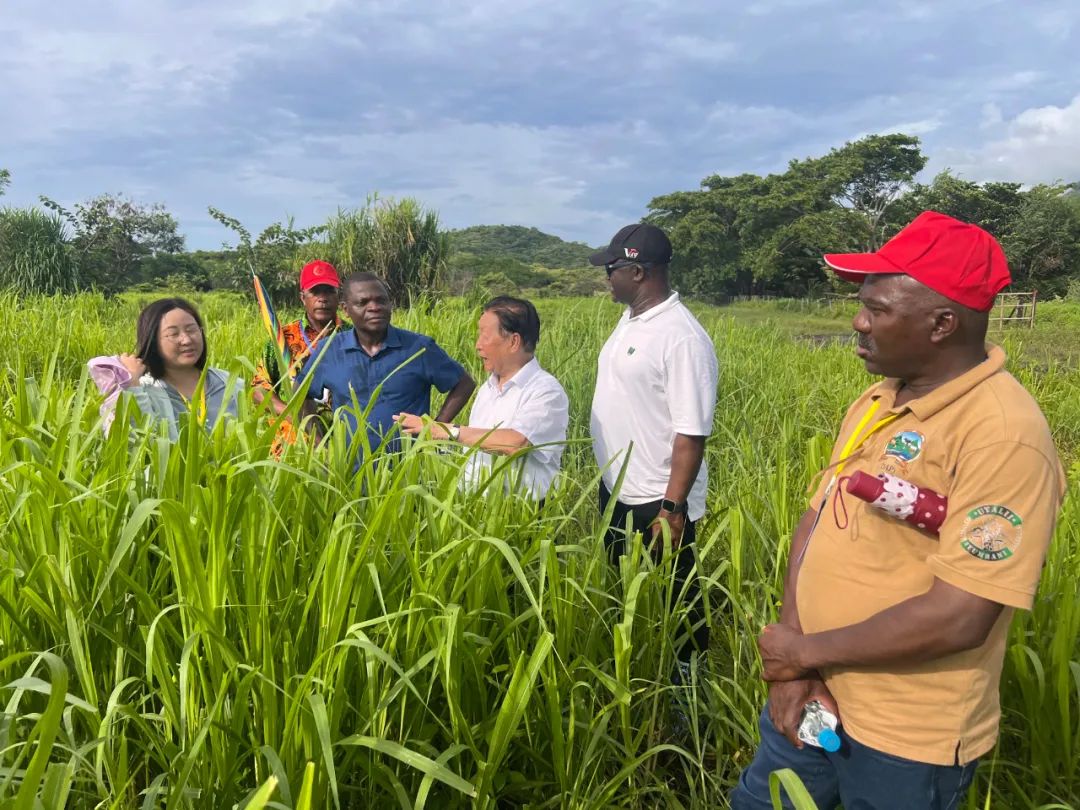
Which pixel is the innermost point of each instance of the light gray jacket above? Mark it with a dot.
(157, 398)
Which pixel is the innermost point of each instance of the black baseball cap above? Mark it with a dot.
(636, 243)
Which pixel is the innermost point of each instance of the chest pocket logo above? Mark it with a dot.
(906, 445)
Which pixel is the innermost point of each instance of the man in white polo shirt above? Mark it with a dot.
(520, 407)
(653, 409)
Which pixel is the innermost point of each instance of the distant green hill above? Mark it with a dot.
(527, 245)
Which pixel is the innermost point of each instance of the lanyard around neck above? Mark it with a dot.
(855, 441)
(858, 438)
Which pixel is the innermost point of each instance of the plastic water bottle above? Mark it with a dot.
(818, 727)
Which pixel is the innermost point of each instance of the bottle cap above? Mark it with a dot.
(829, 740)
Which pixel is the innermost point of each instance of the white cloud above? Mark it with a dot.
(1058, 23)
(991, 115)
(240, 15)
(920, 127)
(766, 8)
(1039, 145)
(508, 173)
(102, 69)
(696, 48)
(554, 113)
(1019, 80)
(728, 122)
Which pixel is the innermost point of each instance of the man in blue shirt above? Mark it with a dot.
(375, 353)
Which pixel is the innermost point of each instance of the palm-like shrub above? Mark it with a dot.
(35, 256)
(399, 240)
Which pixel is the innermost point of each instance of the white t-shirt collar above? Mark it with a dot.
(652, 312)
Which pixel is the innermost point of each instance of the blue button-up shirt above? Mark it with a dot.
(346, 368)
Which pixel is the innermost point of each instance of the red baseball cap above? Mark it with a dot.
(318, 272)
(961, 261)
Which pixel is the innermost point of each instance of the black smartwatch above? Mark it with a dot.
(674, 507)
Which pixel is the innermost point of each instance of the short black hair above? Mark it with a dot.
(147, 347)
(362, 277)
(517, 317)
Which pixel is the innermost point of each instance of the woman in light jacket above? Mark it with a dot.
(163, 374)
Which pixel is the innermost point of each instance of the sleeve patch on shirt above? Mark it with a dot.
(991, 532)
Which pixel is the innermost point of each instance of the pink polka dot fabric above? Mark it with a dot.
(922, 508)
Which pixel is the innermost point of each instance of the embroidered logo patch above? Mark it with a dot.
(906, 445)
(631, 350)
(991, 532)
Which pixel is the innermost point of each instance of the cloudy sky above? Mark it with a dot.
(567, 115)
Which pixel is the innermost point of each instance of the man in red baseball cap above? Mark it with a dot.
(961, 261)
(899, 633)
(319, 285)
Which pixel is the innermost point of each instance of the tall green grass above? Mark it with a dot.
(194, 625)
(35, 255)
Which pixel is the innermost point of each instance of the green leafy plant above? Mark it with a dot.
(398, 240)
(35, 254)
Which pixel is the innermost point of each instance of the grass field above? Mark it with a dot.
(196, 626)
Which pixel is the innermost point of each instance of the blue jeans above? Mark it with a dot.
(858, 776)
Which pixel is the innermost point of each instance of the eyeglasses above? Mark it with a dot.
(173, 335)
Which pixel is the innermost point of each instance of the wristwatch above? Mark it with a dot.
(454, 431)
(674, 507)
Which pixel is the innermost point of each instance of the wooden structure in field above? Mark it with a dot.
(1014, 309)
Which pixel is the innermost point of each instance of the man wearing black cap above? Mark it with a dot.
(652, 411)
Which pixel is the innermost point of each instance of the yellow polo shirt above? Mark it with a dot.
(982, 441)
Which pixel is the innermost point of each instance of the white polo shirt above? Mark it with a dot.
(656, 377)
(533, 403)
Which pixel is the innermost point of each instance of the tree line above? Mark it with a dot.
(112, 244)
(765, 234)
(747, 234)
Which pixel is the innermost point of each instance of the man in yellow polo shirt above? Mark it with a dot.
(898, 630)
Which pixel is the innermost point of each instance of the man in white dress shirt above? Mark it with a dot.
(654, 402)
(519, 408)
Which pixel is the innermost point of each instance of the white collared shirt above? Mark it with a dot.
(656, 376)
(533, 403)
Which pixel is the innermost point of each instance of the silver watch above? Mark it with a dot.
(454, 431)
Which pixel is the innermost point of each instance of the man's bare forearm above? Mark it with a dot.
(456, 399)
(687, 453)
(943, 621)
(502, 441)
